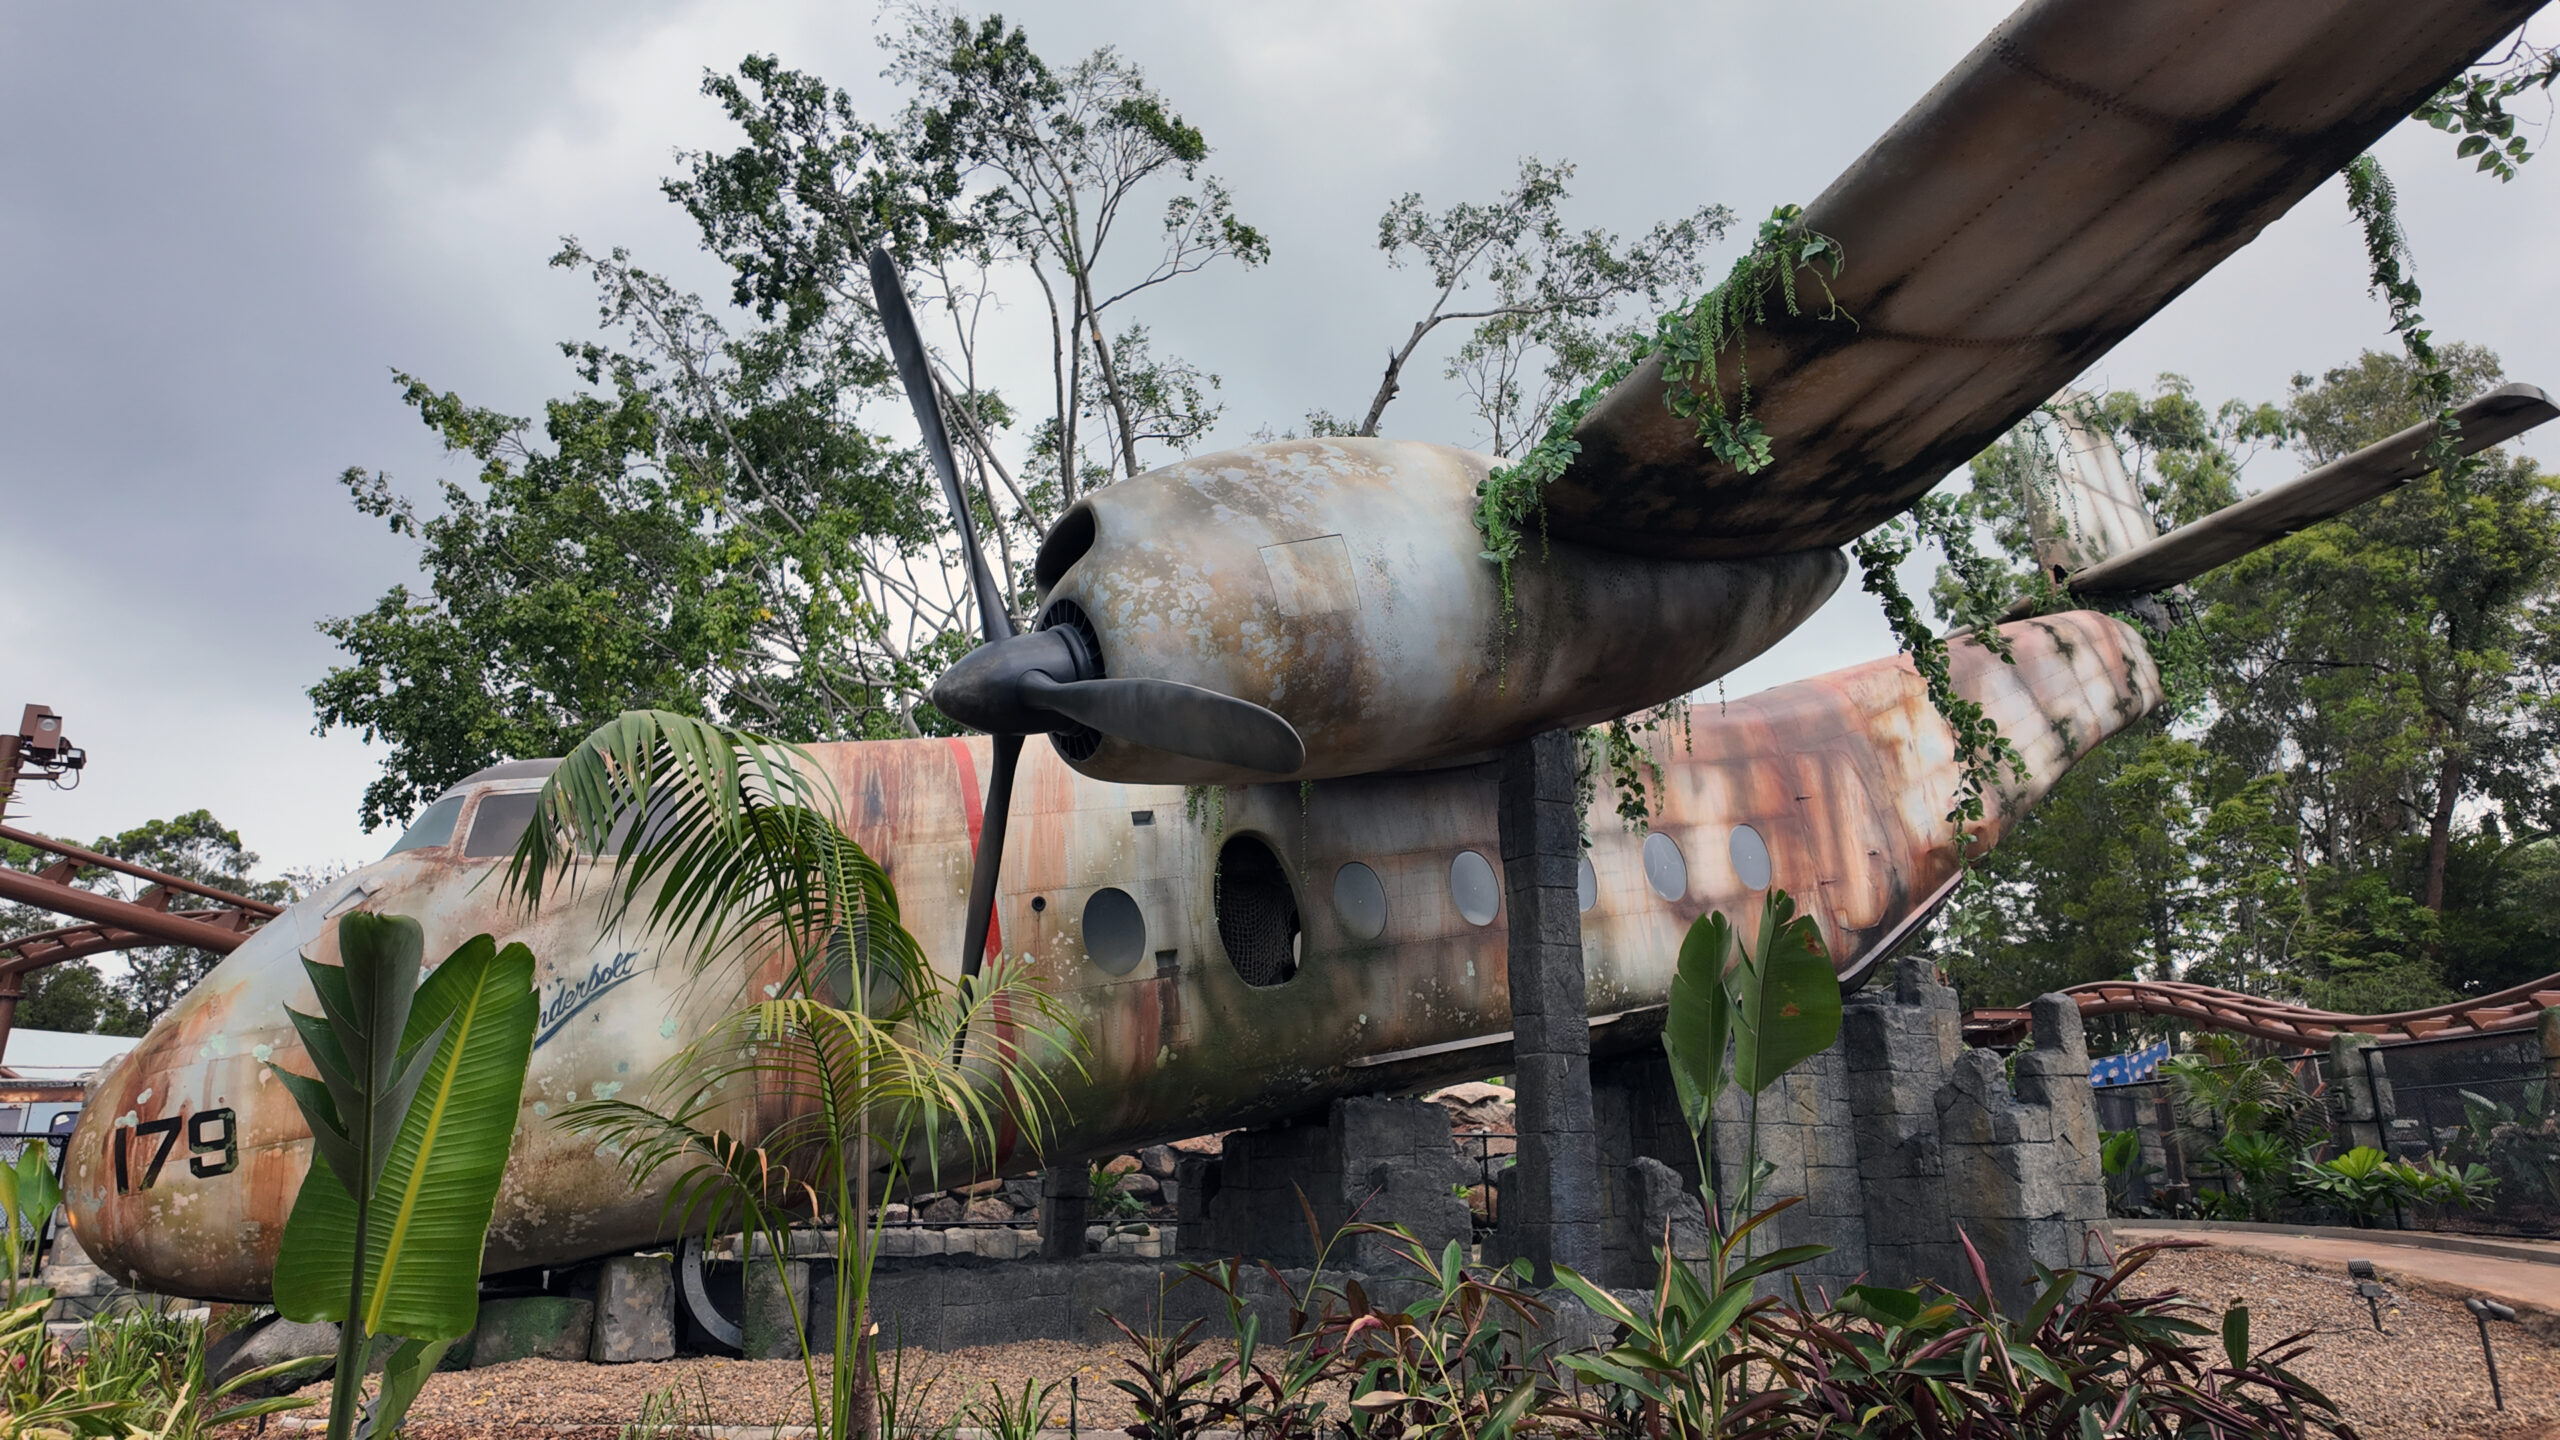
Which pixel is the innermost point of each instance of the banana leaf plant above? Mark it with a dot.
(1771, 1005)
(1740, 1016)
(413, 1114)
(28, 1196)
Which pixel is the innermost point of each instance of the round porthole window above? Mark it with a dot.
(1750, 857)
(1360, 901)
(1665, 868)
(1586, 885)
(1473, 887)
(1115, 933)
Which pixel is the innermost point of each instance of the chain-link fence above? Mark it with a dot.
(2489, 1103)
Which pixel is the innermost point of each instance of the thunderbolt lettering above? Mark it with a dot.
(577, 995)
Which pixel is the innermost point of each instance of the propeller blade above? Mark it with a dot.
(1169, 715)
(907, 347)
(2334, 488)
(990, 856)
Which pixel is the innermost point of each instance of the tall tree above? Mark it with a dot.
(708, 526)
(2349, 806)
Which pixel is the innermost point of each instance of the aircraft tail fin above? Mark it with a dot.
(2084, 507)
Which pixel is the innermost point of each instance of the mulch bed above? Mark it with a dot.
(2422, 1377)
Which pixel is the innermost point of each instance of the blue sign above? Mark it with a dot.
(2130, 1069)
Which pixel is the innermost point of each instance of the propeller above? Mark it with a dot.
(1051, 679)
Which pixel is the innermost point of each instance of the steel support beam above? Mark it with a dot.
(218, 930)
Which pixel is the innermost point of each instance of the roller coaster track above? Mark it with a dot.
(2294, 1025)
(106, 922)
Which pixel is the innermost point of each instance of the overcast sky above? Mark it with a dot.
(224, 226)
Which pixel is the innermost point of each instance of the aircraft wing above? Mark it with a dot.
(2080, 169)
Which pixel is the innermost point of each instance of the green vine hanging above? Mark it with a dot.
(1981, 750)
(1693, 341)
(1619, 751)
(1206, 807)
(2377, 208)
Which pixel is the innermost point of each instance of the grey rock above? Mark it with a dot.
(777, 1303)
(272, 1342)
(635, 1309)
(547, 1327)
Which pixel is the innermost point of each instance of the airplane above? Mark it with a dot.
(1309, 629)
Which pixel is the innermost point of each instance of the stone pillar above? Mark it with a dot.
(1371, 1158)
(1399, 1167)
(2056, 1074)
(2548, 1032)
(547, 1327)
(2359, 1119)
(1994, 1191)
(1556, 1181)
(1065, 1191)
(1899, 1048)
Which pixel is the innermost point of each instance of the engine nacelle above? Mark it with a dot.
(1342, 583)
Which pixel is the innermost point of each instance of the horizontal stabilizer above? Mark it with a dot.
(2334, 488)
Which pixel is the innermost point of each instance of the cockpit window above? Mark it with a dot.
(434, 826)
(499, 824)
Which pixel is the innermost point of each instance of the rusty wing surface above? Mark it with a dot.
(2079, 170)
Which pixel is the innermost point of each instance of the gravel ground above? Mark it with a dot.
(2422, 1377)
(753, 1392)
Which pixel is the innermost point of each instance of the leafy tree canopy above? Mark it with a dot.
(720, 521)
(2352, 805)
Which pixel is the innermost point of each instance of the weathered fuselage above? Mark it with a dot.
(1390, 986)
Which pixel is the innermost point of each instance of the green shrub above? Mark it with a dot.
(2365, 1183)
(2520, 1143)
(138, 1374)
